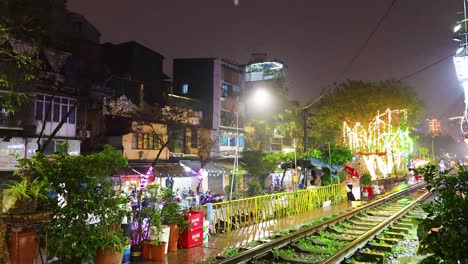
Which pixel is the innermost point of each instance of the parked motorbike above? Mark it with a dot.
(208, 197)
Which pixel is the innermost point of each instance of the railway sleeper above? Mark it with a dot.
(368, 220)
(381, 247)
(341, 238)
(348, 232)
(399, 230)
(391, 241)
(373, 257)
(395, 235)
(404, 225)
(363, 228)
(370, 225)
(293, 259)
(380, 213)
(311, 250)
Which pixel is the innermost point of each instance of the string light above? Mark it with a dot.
(384, 145)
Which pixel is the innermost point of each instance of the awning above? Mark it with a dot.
(160, 170)
(229, 167)
(319, 163)
(193, 166)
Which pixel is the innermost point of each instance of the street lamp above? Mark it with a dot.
(305, 116)
(460, 60)
(259, 97)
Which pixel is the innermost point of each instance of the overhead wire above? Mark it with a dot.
(425, 67)
(366, 42)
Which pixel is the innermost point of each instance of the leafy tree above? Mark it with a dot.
(359, 101)
(257, 166)
(334, 154)
(444, 232)
(25, 27)
(423, 152)
(254, 187)
(86, 205)
(256, 163)
(289, 123)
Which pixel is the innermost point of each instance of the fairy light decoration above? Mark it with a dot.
(384, 145)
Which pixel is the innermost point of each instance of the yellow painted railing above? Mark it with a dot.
(230, 215)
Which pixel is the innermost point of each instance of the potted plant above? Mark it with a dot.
(21, 203)
(172, 216)
(85, 205)
(157, 246)
(24, 196)
(366, 182)
(112, 244)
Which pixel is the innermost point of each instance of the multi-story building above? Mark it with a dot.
(218, 84)
(261, 72)
(50, 112)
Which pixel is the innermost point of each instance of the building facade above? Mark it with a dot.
(218, 83)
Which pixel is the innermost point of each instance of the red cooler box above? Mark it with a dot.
(193, 236)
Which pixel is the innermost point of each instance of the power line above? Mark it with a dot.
(425, 68)
(364, 46)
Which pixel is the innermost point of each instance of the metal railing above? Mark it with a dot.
(231, 215)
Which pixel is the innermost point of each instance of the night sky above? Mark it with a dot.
(315, 38)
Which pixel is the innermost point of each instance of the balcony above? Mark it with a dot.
(20, 120)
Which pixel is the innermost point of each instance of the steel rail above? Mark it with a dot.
(261, 250)
(360, 242)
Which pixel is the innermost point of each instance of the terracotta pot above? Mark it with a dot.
(146, 249)
(108, 256)
(158, 252)
(173, 238)
(23, 247)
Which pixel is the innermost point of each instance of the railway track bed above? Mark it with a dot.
(375, 233)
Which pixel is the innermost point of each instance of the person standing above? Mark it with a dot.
(441, 167)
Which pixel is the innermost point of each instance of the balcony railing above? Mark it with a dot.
(20, 120)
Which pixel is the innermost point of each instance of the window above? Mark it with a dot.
(185, 88)
(232, 141)
(177, 144)
(145, 141)
(59, 109)
(194, 138)
(56, 146)
(241, 142)
(224, 141)
(226, 90)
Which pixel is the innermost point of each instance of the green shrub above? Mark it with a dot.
(254, 188)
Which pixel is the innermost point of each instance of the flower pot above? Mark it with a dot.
(146, 252)
(136, 253)
(158, 252)
(23, 246)
(165, 235)
(108, 256)
(173, 238)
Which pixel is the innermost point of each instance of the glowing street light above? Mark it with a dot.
(260, 97)
(460, 60)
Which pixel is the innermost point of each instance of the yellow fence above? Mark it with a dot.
(230, 215)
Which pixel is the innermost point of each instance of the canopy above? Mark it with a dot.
(320, 163)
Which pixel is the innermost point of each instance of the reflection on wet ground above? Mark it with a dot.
(219, 243)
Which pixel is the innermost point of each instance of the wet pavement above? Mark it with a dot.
(219, 243)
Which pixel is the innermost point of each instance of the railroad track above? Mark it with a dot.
(338, 238)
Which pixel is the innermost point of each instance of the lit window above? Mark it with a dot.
(185, 88)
